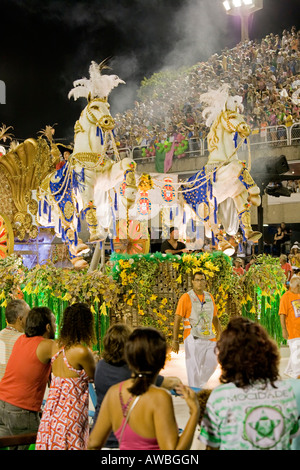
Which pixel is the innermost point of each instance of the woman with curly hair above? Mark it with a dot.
(252, 409)
(64, 424)
(140, 414)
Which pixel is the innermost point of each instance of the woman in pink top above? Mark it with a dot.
(140, 414)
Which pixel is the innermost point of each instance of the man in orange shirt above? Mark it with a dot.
(289, 311)
(26, 375)
(198, 312)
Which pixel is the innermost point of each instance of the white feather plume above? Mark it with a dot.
(234, 103)
(97, 86)
(218, 101)
(215, 100)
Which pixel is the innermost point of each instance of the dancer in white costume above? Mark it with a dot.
(198, 311)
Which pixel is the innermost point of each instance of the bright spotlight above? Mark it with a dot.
(244, 9)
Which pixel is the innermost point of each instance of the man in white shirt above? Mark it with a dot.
(15, 314)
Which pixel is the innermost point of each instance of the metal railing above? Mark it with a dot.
(275, 136)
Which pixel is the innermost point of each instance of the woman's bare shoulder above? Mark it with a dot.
(79, 350)
(160, 394)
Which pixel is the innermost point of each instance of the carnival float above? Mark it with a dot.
(98, 190)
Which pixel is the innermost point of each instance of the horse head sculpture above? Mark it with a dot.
(96, 115)
(221, 144)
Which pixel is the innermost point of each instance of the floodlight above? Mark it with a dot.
(244, 9)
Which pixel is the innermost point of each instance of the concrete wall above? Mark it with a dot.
(285, 210)
(195, 163)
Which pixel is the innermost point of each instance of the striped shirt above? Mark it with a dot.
(252, 418)
(8, 337)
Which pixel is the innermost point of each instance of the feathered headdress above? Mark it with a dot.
(97, 86)
(218, 101)
(234, 103)
(215, 100)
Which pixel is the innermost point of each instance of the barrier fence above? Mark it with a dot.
(272, 135)
(275, 136)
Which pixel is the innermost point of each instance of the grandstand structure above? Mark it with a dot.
(267, 74)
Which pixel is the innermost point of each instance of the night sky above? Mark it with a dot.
(48, 44)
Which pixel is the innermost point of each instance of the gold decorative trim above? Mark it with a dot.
(9, 232)
(90, 216)
(86, 157)
(78, 128)
(68, 210)
(106, 122)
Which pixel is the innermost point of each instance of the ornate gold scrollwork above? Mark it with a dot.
(106, 122)
(203, 210)
(91, 216)
(33, 206)
(68, 210)
(86, 157)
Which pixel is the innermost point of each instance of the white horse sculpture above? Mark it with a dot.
(81, 187)
(223, 191)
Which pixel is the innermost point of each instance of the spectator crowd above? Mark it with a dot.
(240, 412)
(265, 73)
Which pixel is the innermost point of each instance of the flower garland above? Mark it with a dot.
(57, 283)
(139, 276)
(150, 285)
(263, 285)
(71, 285)
(12, 273)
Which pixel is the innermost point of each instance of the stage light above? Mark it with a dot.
(244, 9)
(230, 4)
(269, 172)
(278, 190)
